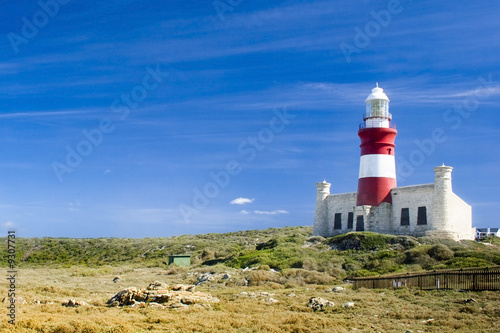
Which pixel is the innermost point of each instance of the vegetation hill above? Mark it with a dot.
(348, 255)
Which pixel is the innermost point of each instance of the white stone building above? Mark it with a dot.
(418, 210)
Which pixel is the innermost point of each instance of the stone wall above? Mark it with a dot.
(412, 197)
(342, 204)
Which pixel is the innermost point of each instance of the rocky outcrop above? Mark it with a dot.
(161, 296)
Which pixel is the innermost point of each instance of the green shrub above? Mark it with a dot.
(462, 262)
(363, 273)
(491, 240)
(302, 276)
(440, 252)
(260, 277)
(315, 239)
(352, 265)
(370, 241)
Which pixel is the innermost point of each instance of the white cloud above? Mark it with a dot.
(241, 201)
(273, 212)
(245, 212)
(9, 224)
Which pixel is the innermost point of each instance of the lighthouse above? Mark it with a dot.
(430, 210)
(377, 168)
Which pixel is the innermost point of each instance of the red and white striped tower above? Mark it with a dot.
(377, 169)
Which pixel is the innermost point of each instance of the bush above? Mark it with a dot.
(362, 273)
(440, 252)
(462, 262)
(370, 241)
(302, 276)
(352, 265)
(271, 244)
(491, 240)
(260, 277)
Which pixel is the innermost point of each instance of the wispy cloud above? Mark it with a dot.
(30, 114)
(272, 212)
(8, 224)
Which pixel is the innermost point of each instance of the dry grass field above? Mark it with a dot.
(241, 309)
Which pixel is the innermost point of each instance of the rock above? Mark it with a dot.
(181, 295)
(189, 300)
(177, 305)
(205, 277)
(71, 303)
(318, 303)
(226, 276)
(116, 279)
(348, 305)
(128, 296)
(338, 289)
(272, 300)
(156, 285)
(183, 287)
(163, 298)
(138, 305)
(156, 305)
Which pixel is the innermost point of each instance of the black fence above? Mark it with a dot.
(466, 279)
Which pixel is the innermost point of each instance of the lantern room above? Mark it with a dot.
(377, 109)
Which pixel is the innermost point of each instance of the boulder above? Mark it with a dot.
(156, 285)
(128, 297)
(338, 289)
(318, 303)
(348, 305)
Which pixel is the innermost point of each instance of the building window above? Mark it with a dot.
(360, 223)
(337, 223)
(350, 220)
(405, 216)
(422, 215)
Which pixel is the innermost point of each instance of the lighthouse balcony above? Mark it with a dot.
(371, 123)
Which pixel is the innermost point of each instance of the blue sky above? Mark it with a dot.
(116, 115)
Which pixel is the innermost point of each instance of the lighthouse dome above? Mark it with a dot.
(377, 93)
(377, 109)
